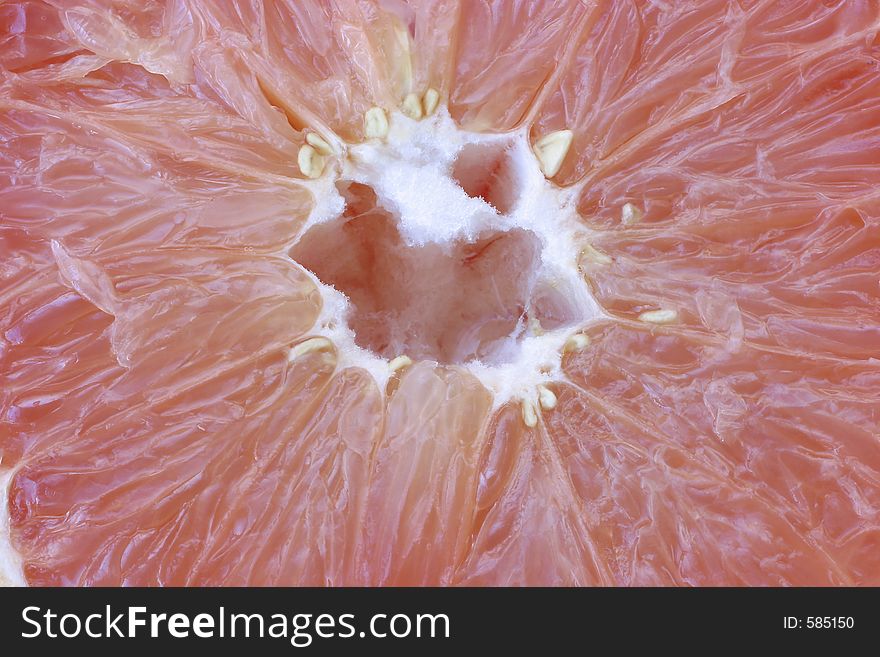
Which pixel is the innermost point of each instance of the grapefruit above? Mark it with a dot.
(434, 292)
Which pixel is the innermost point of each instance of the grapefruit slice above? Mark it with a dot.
(439, 293)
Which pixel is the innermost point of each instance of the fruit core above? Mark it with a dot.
(449, 246)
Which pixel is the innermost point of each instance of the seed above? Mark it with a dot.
(529, 413)
(318, 143)
(399, 363)
(658, 316)
(309, 346)
(412, 107)
(375, 123)
(590, 252)
(546, 398)
(311, 163)
(430, 101)
(551, 150)
(535, 326)
(576, 342)
(630, 214)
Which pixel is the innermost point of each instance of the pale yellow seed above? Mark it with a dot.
(412, 107)
(399, 363)
(535, 326)
(576, 342)
(375, 123)
(546, 397)
(430, 101)
(551, 150)
(309, 346)
(529, 413)
(318, 143)
(593, 254)
(311, 163)
(658, 316)
(630, 214)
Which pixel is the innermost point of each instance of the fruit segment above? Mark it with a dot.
(158, 38)
(528, 529)
(506, 52)
(326, 62)
(213, 462)
(34, 35)
(788, 442)
(646, 69)
(435, 34)
(111, 110)
(304, 507)
(769, 241)
(423, 478)
(54, 350)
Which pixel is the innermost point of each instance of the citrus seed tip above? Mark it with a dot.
(430, 101)
(529, 414)
(546, 397)
(318, 143)
(576, 342)
(309, 346)
(551, 150)
(630, 214)
(310, 161)
(399, 363)
(375, 123)
(663, 316)
(412, 107)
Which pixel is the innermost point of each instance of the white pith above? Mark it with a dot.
(410, 171)
(11, 573)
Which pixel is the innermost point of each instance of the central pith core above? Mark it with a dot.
(448, 246)
(457, 302)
